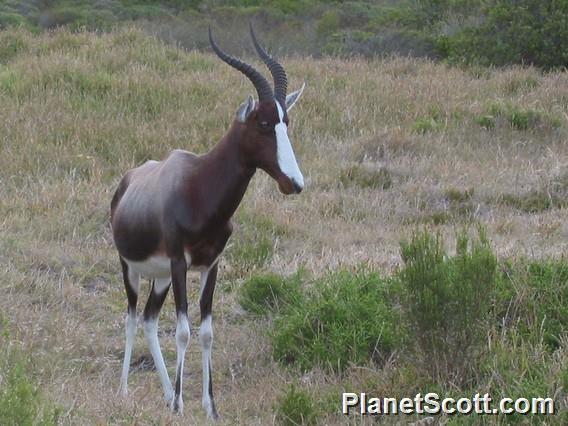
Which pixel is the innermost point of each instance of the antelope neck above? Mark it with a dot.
(227, 174)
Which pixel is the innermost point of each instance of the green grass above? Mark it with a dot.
(296, 407)
(346, 318)
(542, 307)
(517, 118)
(269, 293)
(21, 402)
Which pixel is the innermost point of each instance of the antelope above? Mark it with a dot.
(172, 216)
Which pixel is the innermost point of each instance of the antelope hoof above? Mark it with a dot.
(177, 405)
(210, 409)
(122, 391)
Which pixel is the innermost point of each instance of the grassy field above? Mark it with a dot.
(386, 147)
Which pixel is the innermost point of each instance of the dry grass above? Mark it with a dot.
(78, 110)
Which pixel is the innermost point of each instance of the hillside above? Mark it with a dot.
(386, 146)
(472, 32)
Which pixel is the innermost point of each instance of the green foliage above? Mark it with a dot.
(427, 124)
(12, 43)
(443, 297)
(366, 178)
(264, 293)
(20, 400)
(517, 118)
(494, 32)
(486, 121)
(542, 306)
(328, 23)
(345, 318)
(296, 407)
(524, 31)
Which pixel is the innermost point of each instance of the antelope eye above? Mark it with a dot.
(264, 124)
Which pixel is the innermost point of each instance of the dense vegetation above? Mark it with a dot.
(437, 318)
(494, 32)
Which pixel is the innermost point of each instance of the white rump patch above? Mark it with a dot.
(285, 153)
(155, 266)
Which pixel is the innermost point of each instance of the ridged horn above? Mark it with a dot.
(277, 71)
(260, 84)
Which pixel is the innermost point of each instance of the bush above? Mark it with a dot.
(345, 318)
(296, 407)
(447, 300)
(328, 23)
(518, 118)
(20, 400)
(265, 293)
(520, 32)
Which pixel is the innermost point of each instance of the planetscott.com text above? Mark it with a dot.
(432, 403)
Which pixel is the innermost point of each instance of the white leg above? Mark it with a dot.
(151, 314)
(151, 332)
(133, 284)
(206, 338)
(182, 341)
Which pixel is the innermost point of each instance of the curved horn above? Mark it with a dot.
(277, 71)
(260, 84)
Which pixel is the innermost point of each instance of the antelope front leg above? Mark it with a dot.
(208, 280)
(179, 273)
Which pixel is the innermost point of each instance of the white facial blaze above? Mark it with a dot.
(285, 153)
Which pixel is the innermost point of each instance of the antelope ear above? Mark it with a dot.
(293, 97)
(245, 109)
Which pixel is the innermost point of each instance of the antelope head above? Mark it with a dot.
(264, 123)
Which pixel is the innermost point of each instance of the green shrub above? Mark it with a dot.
(486, 121)
(20, 400)
(447, 300)
(523, 120)
(296, 407)
(366, 178)
(517, 118)
(328, 23)
(540, 300)
(264, 293)
(426, 124)
(519, 32)
(345, 318)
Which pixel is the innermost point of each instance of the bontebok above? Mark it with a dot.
(173, 215)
